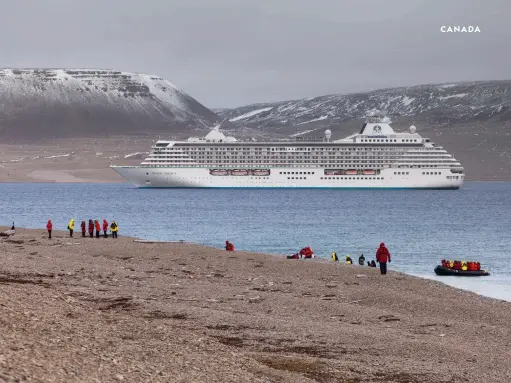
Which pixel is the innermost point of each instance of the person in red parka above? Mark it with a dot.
(98, 228)
(105, 227)
(49, 227)
(229, 246)
(84, 228)
(307, 252)
(382, 256)
(91, 228)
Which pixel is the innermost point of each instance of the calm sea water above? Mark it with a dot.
(419, 226)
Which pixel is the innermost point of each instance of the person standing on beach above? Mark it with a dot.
(83, 227)
(382, 256)
(71, 227)
(114, 229)
(105, 228)
(91, 228)
(335, 258)
(49, 227)
(98, 228)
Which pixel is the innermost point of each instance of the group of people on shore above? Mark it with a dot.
(93, 226)
(382, 257)
(349, 261)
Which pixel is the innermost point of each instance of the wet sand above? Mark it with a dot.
(101, 310)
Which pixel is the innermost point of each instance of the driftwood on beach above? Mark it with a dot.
(118, 310)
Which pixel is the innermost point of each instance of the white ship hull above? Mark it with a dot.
(391, 178)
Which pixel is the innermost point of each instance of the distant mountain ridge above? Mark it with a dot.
(438, 104)
(57, 103)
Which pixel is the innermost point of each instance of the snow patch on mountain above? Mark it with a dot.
(314, 120)
(58, 156)
(250, 114)
(454, 96)
(302, 133)
(407, 100)
(475, 101)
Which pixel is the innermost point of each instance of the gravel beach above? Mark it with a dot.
(111, 310)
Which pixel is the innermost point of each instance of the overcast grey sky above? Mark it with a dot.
(229, 53)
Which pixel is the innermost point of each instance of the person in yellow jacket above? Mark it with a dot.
(334, 257)
(349, 261)
(114, 228)
(71, 227)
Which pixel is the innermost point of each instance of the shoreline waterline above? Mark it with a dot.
(460, 283)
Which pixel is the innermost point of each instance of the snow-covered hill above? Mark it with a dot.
(440, 105)
(57, 103)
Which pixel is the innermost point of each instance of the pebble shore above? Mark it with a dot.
(116, 310)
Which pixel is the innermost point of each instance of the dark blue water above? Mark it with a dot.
(419, 226)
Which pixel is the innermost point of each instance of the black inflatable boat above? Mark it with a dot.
(441, 270)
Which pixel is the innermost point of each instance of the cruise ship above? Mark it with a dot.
(376, 157)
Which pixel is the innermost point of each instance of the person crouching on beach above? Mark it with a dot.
(98, 227)
(105, 228)
(49, 227)
(114, 228)
(91, 228)
(229, 246)
(71, 227)
(84, 228)
(382, 256)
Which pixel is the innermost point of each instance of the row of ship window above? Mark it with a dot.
(381, 140)
(296, 172)
(338, 178)
(281, 162)
(351, 178)
(170, 166)
(284, 151)
(331, 157)
(287, 150)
